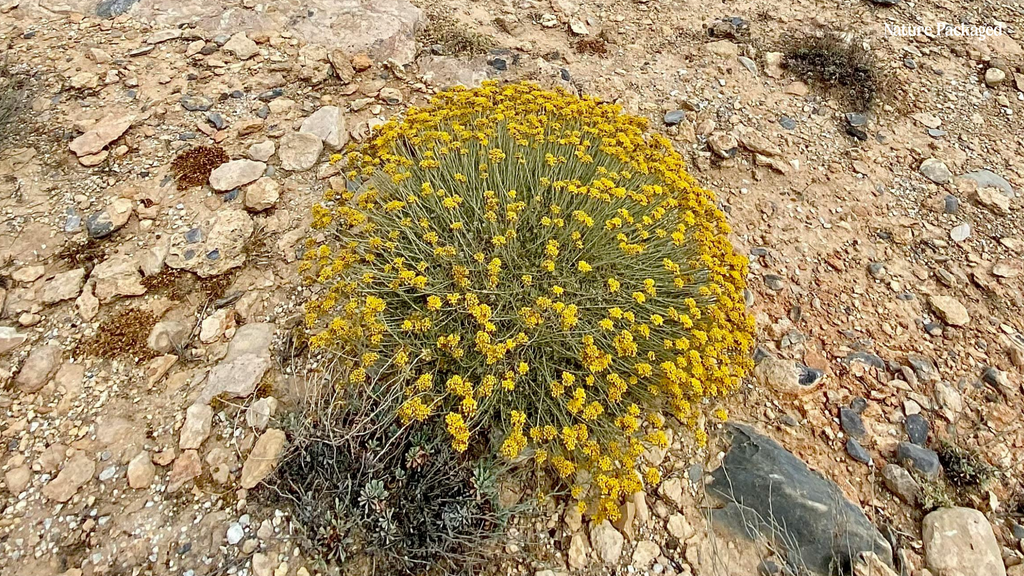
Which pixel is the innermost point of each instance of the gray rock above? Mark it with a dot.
(774, 282)
(856, 119)
(989, 179)
(217, 120)
(859, 404)
(960, 541)
(950, 204)
(998, 380)
(235, 533)
(271, 94)
(747, 63)
(857, 452)
(917, 429)
(767, 490)
(960, 232)
(936, 171)
(851, 423)
(901, 483)
(787, 123)
(674, 117)
(923, 366)
(112, 8)
(108, 473)
(194, 103)
(873, 360)
(877, 270)
(915, 457)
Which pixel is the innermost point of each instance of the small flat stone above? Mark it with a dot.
(141, 471)
(162, 36)
(186, 468)
(79, 470)
(37, 370)
(100, 135)
(856, 119)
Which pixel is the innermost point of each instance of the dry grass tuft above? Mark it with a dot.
(82, 254)
(844, 69)
(964, 468)
(123, 334)
(13, 95)
(193, 166)
(179, 285)
(454, 37)
(592, 46)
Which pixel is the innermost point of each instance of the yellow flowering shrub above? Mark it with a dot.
(531, 266)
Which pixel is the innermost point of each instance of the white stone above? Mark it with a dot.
(607, 542)
(328, 124)
(197, 426)
(960, 542)
(262, 194)
(231, 175)
(241, 47)
(299, 151)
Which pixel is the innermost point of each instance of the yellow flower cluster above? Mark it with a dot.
(530, 265)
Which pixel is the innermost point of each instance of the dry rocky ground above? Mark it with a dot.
(147, 333)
